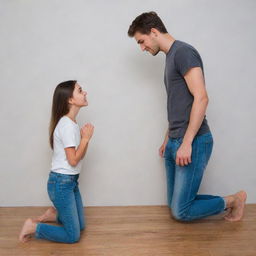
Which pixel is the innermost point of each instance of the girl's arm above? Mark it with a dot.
(75, 155)
(85, 151)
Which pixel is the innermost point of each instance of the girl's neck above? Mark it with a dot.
(73, 113)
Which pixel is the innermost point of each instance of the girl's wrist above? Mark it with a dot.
(84, 139)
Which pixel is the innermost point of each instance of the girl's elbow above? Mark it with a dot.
(72, 162)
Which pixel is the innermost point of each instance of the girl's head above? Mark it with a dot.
(67, 95)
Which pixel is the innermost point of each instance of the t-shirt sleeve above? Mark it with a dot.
(187, 58)
(67, 136)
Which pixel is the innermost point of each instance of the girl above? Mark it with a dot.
(69, 145)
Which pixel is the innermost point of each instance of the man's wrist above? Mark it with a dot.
(188, 140)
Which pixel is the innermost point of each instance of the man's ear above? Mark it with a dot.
(154, 31)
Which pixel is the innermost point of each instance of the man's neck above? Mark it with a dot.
(166, 43)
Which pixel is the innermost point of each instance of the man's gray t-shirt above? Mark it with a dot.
(179, 59)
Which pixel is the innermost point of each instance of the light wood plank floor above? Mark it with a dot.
(135, 231)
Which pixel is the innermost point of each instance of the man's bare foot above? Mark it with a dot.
(48, 216)
(28, 229)
(237, 207)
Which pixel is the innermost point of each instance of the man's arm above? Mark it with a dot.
(196, 85)
(162, 148)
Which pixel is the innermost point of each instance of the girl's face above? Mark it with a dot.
(79, 97)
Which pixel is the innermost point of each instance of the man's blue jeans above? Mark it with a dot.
(64, 193)
(183, 181)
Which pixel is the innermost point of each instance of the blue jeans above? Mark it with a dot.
(64, 193)
(183, 181)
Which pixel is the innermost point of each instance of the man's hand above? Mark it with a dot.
(183, 155)
(162, 149)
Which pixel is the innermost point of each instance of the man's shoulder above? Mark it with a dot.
(184, 50)
(183, 46)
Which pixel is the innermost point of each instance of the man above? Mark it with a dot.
(188, 142)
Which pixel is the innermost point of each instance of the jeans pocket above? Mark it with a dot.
(167, 150)
(178, 142)
(208, 138)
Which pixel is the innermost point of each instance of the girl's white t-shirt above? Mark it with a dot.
(66, 134)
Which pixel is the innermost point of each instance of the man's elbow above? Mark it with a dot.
(202, 99)
(206, 100)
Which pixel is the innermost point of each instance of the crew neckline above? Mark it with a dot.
(70, 119)
(171, 47)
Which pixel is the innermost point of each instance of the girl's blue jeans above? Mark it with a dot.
(183, 181)
(64, 193)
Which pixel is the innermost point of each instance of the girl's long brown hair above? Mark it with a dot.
(60, 106)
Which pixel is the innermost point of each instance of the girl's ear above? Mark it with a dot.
(70, 101)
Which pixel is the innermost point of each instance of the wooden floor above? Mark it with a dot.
(136, 230)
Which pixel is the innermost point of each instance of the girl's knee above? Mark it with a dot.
(82, 227)
(180, 216)
(180, 213)
(74, 238)
(82, 224)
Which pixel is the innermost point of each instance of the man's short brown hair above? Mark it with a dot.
(144, 22)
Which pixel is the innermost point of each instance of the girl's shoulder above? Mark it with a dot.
(65, 120)
(65, 123)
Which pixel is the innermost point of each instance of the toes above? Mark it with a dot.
(242, 195)
(27, 238)
(20, 238)
(228, 217)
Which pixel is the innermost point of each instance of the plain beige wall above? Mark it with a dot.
(46, 42)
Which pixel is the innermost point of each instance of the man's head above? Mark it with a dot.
(146, 29)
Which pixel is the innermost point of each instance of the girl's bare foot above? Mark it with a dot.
(48, 216)
(228, 213)
(28, 229)
(237, 208)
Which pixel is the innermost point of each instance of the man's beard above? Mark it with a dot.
(155, 53)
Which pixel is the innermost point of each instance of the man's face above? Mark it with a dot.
(147, 42)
